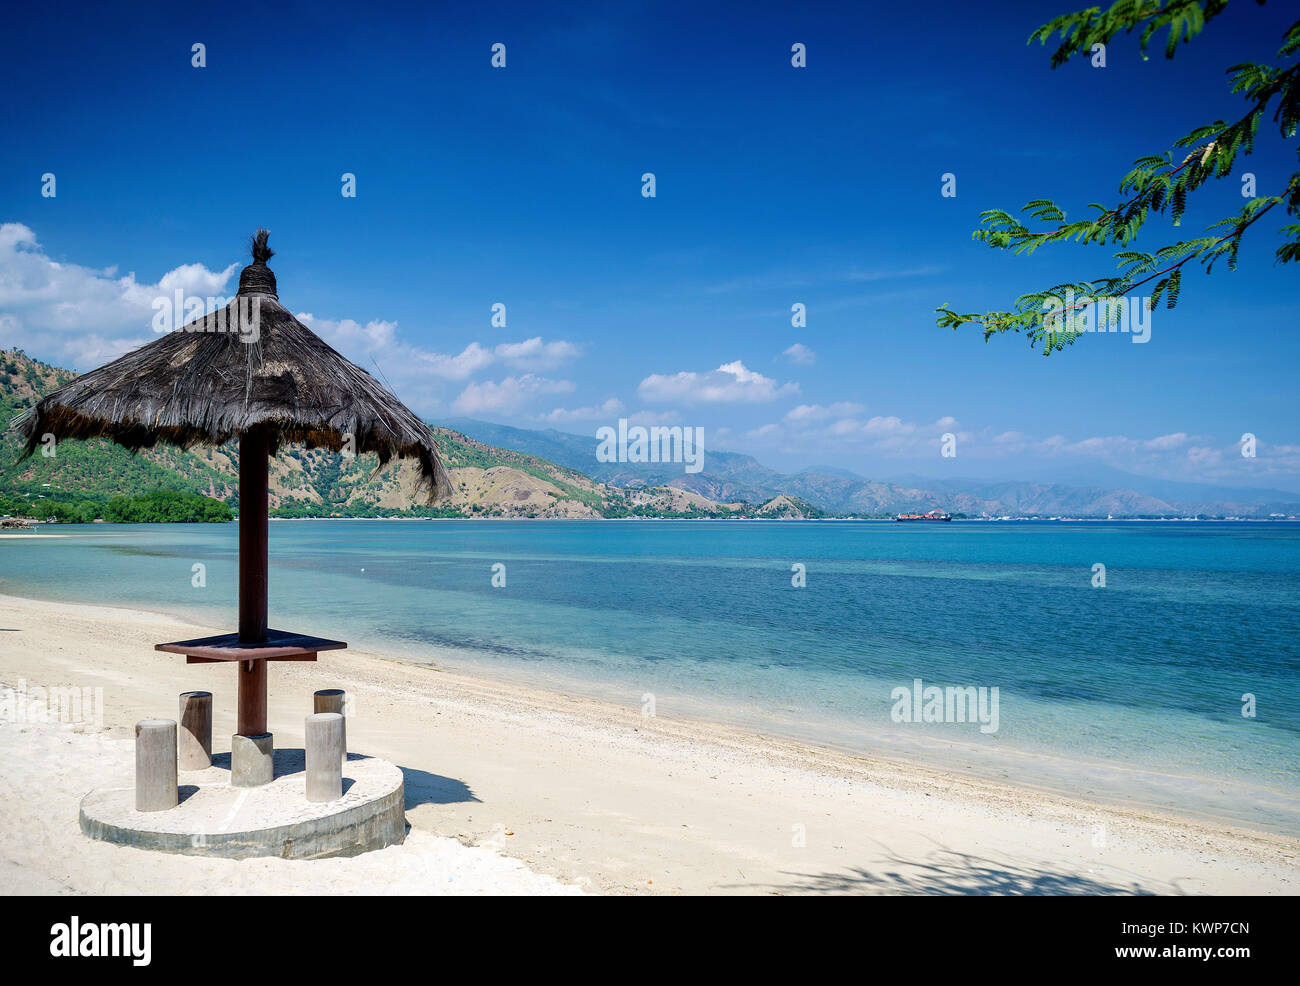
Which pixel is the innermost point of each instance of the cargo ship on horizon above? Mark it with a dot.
(932, 515)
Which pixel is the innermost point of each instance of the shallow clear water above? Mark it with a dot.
(1132, 691)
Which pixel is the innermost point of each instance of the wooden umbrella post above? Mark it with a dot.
(252, 697)
(252, 748)
(254, 447)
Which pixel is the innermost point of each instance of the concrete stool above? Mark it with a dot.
(324, 756)
(195, 735)
(333, 700)
(252, 760)
(155, 765)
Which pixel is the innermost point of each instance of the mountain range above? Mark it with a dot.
(502, 471)
(732, 476)
(486, 481)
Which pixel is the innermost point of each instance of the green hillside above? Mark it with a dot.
(83, 481)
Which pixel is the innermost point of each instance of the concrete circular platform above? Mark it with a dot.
(276, 819)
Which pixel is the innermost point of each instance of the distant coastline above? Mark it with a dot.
(721, 520)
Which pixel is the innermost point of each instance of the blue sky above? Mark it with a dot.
(774, 185)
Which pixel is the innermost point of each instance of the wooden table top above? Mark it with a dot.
(279, 644)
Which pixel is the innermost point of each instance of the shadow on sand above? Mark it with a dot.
(422, 787)
(948, 873)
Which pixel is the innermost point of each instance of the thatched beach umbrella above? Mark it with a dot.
(252, 372)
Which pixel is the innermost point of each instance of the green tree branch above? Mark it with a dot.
(1156, 185)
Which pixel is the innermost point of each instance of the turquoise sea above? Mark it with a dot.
(1129, 692)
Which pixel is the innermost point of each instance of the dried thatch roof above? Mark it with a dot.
(211, 381)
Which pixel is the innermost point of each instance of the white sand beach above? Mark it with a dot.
(515, 790)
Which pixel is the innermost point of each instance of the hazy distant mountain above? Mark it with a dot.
(732, 476)
(560, 447)
(1101, 475)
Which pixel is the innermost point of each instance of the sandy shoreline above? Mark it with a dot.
(556, 793)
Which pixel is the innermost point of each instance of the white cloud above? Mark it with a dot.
(729, 384)
(837, 429)
(417, 374)
(649, 418)
(818, 412)
(379, 340)
(1165, 442)
(83, 316)
(507, 395)
(1177, 455)
(596, 412)
(534, 354)
(195, 279)
(890, 275)
(800, 354)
